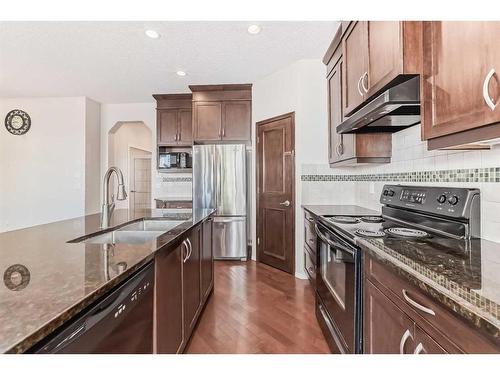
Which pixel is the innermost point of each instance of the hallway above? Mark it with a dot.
(257, 309)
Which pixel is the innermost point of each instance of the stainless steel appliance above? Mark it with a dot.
(219, 181)
(395, 109)
(120, 323)
(426, 219)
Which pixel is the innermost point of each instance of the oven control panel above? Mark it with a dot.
(445, 201)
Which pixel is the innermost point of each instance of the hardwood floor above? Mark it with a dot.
(258, 309)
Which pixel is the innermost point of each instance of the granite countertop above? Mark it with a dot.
(463, 275)
(46, 280)
(339, 210)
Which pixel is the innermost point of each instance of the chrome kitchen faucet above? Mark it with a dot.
(107, 207)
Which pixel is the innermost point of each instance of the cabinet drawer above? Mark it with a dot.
(310, 233)
(310, 267)
(428, 313)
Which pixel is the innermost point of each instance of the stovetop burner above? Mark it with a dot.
(407, 232)
(370, 233)
(344, 219)
(372, 219)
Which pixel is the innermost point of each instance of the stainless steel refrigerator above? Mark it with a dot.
(219, 181)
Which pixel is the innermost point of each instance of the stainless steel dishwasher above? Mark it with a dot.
(120, 323)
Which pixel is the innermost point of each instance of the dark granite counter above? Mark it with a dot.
(46, 280)
(463, 275)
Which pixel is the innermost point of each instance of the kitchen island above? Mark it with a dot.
(48, 280)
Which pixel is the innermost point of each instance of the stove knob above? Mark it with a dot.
(386, 192)
(453, 200)
(441, 198)
(391, 193)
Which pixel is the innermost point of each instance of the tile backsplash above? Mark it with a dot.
(173, 185)
(411, 164)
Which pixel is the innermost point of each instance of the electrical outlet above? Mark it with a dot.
(372, 187)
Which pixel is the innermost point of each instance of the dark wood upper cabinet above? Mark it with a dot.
(191, 281)
(354, 48)
(207, 119)
(222, 113)
(168, 287)
(185, 127)
(236, 120)
(168, 126)
(348, 149)
(206, 259)
(174, 119)
(460, 82)
(377, 54)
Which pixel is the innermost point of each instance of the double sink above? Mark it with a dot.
(135, 233)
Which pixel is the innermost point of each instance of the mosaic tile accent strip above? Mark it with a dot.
(448, 175)
(177, 179)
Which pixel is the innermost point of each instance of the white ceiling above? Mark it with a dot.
(114, 62)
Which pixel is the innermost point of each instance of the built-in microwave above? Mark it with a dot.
(178, 160)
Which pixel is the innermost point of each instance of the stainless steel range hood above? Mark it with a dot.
(395, 109)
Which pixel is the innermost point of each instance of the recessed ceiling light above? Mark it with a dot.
(254, 29)
(181, 73)
(152, 34)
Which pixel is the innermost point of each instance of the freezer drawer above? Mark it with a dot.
(229, 238)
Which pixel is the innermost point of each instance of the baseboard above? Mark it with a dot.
(301, 275)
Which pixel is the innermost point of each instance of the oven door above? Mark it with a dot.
(338, 287)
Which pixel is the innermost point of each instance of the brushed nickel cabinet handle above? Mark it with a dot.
(416, 304)
(363, 82)
(185, 258)
(419, 349)
(486, 93)
(404, 338)
(359, 83)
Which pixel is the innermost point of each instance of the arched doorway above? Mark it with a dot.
(130, 148)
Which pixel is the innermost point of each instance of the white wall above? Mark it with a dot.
(42, 173)
(300, 88)
(92, 156)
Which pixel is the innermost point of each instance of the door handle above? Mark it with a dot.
(402, 343)
(359, 83)
(416, 304)
(486, 94)
(285, 203)
(365, 89)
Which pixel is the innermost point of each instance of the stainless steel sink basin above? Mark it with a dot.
(124, 236)
(139, 232)
(153, 225)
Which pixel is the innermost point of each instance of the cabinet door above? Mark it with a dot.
(191, 285)
(424, 344)
(185, 127)
(207, 264)
(207, 119)
(457, 59)
(168, 286)
(387, 330)
(168, 126)
(354, 51)
(385, 54)
(236, 120)
(341, 146)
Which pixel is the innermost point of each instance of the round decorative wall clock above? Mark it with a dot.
(17, 122)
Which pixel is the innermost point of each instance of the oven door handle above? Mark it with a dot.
(336, 246)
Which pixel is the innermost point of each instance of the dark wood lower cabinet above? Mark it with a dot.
(206, 260)
(191, 282)
(168, 309)
(183, 283)
(387, 329)
(394, 325)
